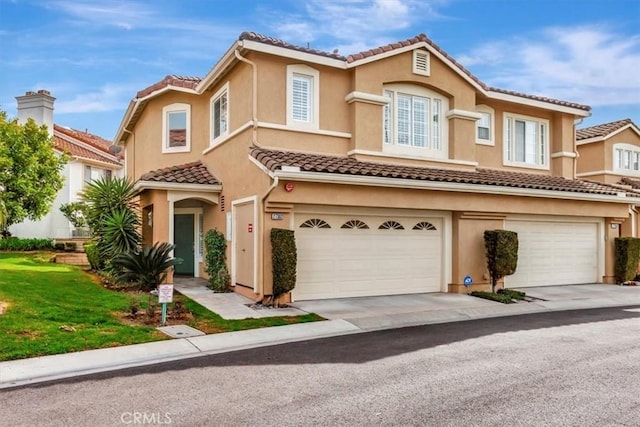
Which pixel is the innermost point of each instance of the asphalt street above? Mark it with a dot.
(572, 368)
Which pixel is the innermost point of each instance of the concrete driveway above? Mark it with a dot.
(382, 312)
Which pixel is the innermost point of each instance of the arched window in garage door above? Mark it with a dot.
(315, 223)
(391, 225)
(424, 225)
(355, 224)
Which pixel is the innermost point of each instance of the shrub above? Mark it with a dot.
(216, 260)
(285, 259)
(627, 256)
(500, 297)
(147, 267)
(16, 244)
(512, 293)
(502, 254)
(93, 256)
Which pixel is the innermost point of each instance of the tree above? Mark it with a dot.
(30, 170)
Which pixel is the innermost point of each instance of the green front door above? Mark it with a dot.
(183, 238)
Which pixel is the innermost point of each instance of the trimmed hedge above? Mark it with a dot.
(23, 245)
(93, 256)
(502, 254)
(627, 257)
(285, 260)
(215, 260)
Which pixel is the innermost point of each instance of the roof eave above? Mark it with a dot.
(329, 178)
(141, 185)
(537, 103)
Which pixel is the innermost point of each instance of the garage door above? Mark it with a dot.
(349, 256)
(555, 253)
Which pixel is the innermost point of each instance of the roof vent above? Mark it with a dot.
(421, 62)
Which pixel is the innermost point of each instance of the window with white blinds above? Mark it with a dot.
(220, 113)
(526, 141)
(413, 120)
(302, 96)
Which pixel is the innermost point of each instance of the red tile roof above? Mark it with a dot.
(274, 160)
(189, 173)
(170, 80)
(192, 82)
(601, 130)
(83, 145)
(634, 183)
(400, 44)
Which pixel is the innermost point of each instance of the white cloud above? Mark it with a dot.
(353, 24)
(587, 64)
(109, 97)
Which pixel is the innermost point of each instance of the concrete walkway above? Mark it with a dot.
(347, 316)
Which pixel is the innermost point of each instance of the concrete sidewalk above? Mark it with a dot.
(347, 316)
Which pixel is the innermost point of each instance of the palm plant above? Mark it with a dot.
(147, 267)
(113, 216)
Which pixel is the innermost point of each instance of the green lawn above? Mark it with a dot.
(56, 308)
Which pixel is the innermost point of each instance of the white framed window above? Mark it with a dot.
(626, 158)
(412, 121)
(421, 62)
(176, 132)
(220, 114)
(303, 96)
(526, 141)
(87, 175)
(484, 125)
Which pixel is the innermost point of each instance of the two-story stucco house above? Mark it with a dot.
(610, 153)
(388, 164)
(89, 159)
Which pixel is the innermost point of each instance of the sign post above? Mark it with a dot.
(165, 295)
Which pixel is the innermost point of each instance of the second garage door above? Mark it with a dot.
(555, 253)
(349, 256)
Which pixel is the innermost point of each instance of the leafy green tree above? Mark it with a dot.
(30, 170)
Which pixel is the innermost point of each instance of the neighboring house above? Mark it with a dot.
(610, 153)
(389, 165)
(89, 159)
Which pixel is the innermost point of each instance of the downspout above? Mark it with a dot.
(576, 123)
(254, 97)
(254, 141)
(133, 152)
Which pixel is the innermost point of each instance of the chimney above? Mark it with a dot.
(38, 106)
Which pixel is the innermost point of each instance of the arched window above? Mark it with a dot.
(355, 223)
(391, 225)
(424, 225)
(315, 223)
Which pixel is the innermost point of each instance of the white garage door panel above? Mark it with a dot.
(555, 253)
(336, 262)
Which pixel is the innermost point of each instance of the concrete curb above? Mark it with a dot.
(40, 369)
(46, 368)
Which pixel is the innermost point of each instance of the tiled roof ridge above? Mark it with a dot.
(602, 129)
(194, 172)
(74, 148)
(86, 137)
(260, 38)
(189, 82)
(274, 159)
(634, 183)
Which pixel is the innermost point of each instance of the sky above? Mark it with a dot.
(94, 55)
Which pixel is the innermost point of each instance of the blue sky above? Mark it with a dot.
(95, 55)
